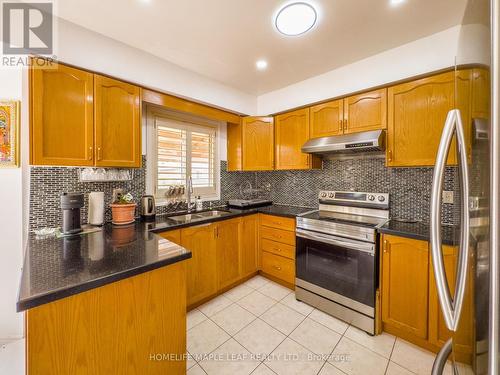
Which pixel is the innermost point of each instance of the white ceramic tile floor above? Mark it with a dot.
(259, 328)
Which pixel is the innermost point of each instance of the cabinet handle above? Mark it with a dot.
(91, 156)
(340, 126)
(278, 268)
(98, 153)
(277, 249)
(345, 125)
(389, 155)
(386, 246)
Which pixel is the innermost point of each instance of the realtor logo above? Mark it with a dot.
(27, 28)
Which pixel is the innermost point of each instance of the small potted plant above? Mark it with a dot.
(123, 209)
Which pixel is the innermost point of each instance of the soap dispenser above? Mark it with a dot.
(199, 203)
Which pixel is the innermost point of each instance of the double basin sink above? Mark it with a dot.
(197, 216)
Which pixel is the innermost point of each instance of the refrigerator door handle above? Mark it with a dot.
(451, 308)
(441, 358)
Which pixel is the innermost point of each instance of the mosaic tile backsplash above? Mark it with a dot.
(410, 188)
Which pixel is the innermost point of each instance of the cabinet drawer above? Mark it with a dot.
(278, 235)
(277, 222)
(277, 248)
(282, 268)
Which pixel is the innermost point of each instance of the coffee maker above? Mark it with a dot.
(71, 203)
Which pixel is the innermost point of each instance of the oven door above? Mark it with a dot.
(343, 266)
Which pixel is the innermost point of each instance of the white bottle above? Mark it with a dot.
(199, 203)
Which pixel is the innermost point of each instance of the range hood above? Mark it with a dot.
(357, 142)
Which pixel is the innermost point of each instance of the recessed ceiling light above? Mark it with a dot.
(261, 64)
(295, 18)
(397, 2)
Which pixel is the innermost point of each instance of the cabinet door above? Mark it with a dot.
(367, 111)
(327, 119)
(405, 283)
(292, 131)
(228, 252)
(234, 149)
(117, 123)
(62, 123)
(438, 333)
(417, 111)
(173, 236)
(201, 276)
(249, 245)
(258, 143)
(480, 93)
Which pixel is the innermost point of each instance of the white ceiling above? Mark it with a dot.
(222, 39)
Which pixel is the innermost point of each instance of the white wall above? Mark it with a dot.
(11, 221)
(87, 49)
(421, 56)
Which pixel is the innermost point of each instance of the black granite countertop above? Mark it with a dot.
(55, 268)
(420, 231)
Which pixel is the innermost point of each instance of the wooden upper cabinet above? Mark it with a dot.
(480, 93)
(201, 274)
(327, 119)
(249, 244)
(366, 111)
(258, 143)
(234, 149)
(117, 123)
(292, 131)
(228, 252)
(405, 283)
(62, 124)
(417, 112)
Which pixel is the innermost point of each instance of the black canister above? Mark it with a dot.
(71, 203)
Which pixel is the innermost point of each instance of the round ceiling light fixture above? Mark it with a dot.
(295, 19)
(261, 64)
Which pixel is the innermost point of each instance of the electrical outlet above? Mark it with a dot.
(448, 197)
(117, 193)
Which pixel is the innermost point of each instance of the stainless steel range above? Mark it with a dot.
(337, 255)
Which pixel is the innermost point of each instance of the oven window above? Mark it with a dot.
(350, 273)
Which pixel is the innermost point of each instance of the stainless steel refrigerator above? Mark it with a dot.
(469, 299)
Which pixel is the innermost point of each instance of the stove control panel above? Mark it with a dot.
(354, 198)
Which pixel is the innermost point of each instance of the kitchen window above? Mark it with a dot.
(179, 147)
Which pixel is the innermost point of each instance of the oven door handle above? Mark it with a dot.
(352, 245)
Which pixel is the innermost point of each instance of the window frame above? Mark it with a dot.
(190, 123)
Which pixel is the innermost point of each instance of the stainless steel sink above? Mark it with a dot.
(185, 218)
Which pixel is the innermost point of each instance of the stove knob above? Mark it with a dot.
(371, 198)
(381, 198)
(323, 195)
(331, 195)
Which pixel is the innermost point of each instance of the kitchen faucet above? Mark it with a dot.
(189, 193)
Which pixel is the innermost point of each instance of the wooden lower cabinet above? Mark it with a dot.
(113, 329)
(405, 284)
(249, 245)
(173, 236)
(201, 275)
(410, 303)
(228, 246)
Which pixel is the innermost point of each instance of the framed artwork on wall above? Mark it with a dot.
(9, 133)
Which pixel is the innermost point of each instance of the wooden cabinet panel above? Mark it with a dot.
(438, 333)
(327, 119)
(258, 143)
(480, 93)
(201, 275)
(277, 235)
(417, 111)
(405, 283)
(249, 244)
(234, 147)
(292, 131)
(277, 248)
(117, 123)
(367, 111)
(277, 222)
(228, 252)
(62, 123)
(279, 267)
(172, 235)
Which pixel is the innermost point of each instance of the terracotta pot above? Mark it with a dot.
(123, 213)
